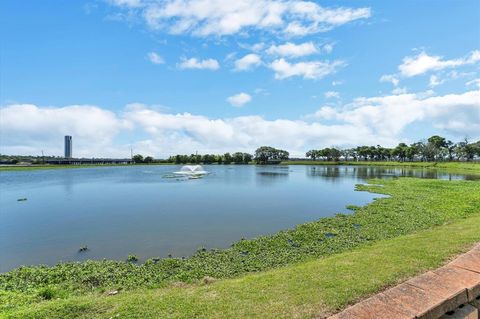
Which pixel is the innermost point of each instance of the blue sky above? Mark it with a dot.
(214, 76)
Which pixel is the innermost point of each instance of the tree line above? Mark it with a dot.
(263, 155)
(435, 148)
(227, 158)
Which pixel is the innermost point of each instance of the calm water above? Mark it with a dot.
(121, 210)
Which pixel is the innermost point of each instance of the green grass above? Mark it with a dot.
(415, 205)
(473, 166)
(311, 289)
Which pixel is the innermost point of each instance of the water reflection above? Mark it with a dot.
(270, 175)
(334, 173)
(121, 210)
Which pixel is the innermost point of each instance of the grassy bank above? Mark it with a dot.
(469, 166)
(415, 205)
(311, 289)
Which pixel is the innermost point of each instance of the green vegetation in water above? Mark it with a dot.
(413, 205)
(315, 288)
(132, 258)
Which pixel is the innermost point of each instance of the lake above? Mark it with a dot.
(117, 211)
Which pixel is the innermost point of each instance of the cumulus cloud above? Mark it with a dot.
(28, 129)
(27, 126)
(423, 63)
(290, 49)
(248, 62)
(331, 94)
(194, 63)
(217, 17)
(155, 58)
(308, 70)
(390, 115)
(474, 82)
(435, 81)
(126, 3)
(390, 78)
(239, 99)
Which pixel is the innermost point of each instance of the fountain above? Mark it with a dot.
(192, 171)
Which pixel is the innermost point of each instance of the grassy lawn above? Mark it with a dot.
(315, 268)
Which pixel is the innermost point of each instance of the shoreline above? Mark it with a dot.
(379, 221)
(457, 166)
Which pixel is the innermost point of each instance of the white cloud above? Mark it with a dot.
(248, 62)
(327, 48)
(126, 3)
(423, 63)
(337, 82)
(218, 17)
(33, 128)
(290, 49)
(389, 115)
(331, 94)
(194, 63)
(307, 70)
(239, 99)
(28, 129)
(398, 90)
(155, 58)
(475, 82)
(390, 78)
(435, 81)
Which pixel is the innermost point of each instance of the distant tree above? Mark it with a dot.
(266, 154)
(411, 152)
(350, 153)
(437, 144)
(450, 147)
(237, 158)
(247, 158)
(148, 160)
(400, 152)
(209, 158)
(137, 159)
(363, 152)
(312, 154)
(227, 158)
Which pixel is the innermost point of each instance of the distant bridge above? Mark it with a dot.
(87, 161)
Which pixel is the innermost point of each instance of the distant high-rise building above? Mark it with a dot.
(68, 146)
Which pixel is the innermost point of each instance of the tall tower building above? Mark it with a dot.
(68, 146)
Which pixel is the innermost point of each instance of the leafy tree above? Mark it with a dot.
(266, 154)
(148, 159)
(247, 158)
(400, 151)
(450, 146)
(137, 159)
(227, 158)
(237, 158)
(312, 154)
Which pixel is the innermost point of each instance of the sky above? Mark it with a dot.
(164, 77)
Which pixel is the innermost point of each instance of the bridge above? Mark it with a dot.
(88, 161)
